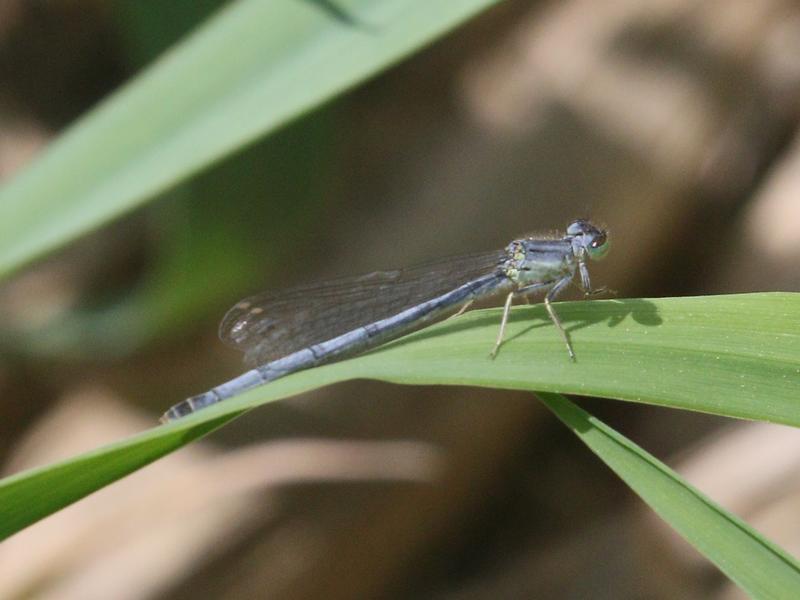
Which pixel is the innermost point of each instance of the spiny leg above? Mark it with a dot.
(501, 333)
(551, 295)
(586, 284)
(601, 291)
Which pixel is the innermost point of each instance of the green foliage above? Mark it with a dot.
(759, 567)
(255, 67)
(248, 71)
(730, 355)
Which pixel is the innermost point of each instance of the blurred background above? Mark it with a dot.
(672, 122)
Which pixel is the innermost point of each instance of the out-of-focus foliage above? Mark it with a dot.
(235, 79)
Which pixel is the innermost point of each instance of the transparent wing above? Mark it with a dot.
(271, 325)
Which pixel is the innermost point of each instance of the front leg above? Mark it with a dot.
(586, 284)
(599, 292)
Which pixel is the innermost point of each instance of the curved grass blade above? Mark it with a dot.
(252, 68)
(755, 564)
(34, 494)
(737, 356)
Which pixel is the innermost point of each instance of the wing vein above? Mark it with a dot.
(274, 324)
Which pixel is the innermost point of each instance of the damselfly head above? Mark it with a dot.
(586, 238)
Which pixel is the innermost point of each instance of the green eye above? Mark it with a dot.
(599, 247)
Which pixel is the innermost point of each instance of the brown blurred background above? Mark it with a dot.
(673, 122)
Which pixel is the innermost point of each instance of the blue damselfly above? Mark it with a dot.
(303, 327)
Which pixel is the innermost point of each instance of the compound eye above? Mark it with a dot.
(578, 227)
(599, 246)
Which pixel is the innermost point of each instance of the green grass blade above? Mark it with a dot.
(32, 495)
(754, 563)
(734, 355)
(731, 355)
(251, 69)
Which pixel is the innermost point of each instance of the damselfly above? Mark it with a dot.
(319, 323)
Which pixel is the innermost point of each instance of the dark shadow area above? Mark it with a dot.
(575, 317)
